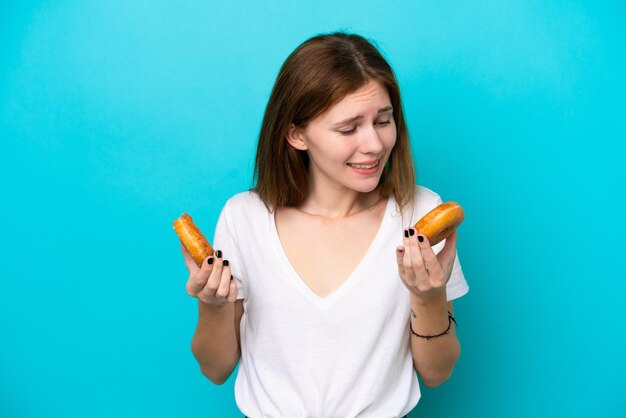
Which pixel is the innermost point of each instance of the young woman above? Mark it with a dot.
(319, 285)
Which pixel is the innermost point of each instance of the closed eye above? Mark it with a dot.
(348, 132)
(353, 130)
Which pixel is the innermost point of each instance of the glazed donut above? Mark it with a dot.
(192, 238)
(440, 222)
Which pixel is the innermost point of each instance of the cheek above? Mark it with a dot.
(390, 140)
(329, 153)
(390, 135)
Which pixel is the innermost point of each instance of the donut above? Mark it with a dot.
(192, 238)
(440, 222)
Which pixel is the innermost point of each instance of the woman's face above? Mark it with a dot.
(350, 143)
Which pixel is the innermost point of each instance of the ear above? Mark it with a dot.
(295, 137)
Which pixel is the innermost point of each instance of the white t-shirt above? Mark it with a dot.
(344, 355)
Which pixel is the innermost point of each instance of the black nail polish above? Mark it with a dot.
(210, 261)
(411, 231)
(219, 253)
(406, 233)
(226, 263)
(420, 238)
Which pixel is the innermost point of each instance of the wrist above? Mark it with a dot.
(429, 316)
(433, 314)
(205, 309)
(433, 302)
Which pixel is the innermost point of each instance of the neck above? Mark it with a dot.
(338, 202)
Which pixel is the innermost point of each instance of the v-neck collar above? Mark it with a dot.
(326, 301)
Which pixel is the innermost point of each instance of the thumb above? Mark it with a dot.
(448, 253)
(192, 267)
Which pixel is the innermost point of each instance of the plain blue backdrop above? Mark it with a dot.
(117, 116)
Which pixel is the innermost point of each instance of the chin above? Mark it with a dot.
(366, 187)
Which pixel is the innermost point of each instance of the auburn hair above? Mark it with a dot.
(316, 75)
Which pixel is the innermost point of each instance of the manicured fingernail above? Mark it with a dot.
(411, 231)
(406, 233)
(226, 263)
(210, 261)
(420, 238)
(219, 253)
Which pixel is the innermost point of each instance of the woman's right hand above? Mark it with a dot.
(212, 283)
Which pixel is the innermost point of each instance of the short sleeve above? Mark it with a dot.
(226, 241)
(457, 285)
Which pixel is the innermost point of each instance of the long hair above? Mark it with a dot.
(316, 75)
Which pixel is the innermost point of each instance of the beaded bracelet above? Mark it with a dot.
(428, 337)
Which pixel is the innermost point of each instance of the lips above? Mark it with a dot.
(365, 165)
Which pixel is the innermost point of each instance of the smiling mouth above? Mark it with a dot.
(364, 166)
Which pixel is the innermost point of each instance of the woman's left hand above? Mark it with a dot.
(422, 272)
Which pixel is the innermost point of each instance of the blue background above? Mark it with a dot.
(117, 116)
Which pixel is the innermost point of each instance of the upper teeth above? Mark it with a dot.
(365, 165)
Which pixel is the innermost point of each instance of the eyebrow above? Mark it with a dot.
(381, 111)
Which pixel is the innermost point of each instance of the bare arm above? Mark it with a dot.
(433, 359)
(215, 343)
(426, 275)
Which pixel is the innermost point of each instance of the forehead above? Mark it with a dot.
(368, 98)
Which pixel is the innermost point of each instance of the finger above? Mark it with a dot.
(409, 273)
(400, 260)
(417, 261)
(447, 255)
(224, 286)
(192, 267)
(198, 281)
(214, 278)
(233, 290)
(430, 259)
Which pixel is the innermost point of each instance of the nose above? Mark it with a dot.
(371, 142)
